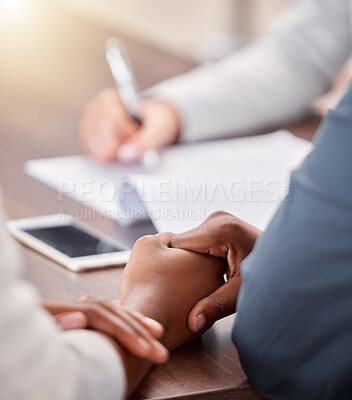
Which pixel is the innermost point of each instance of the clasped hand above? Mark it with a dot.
(226, 237)
(178, 280)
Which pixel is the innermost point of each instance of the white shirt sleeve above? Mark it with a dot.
(270, 82)
(38, 362)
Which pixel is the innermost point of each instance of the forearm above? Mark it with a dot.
(267, 84)
(135, 369)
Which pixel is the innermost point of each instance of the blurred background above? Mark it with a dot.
(52, 63)
(52, 52)
(180, 26)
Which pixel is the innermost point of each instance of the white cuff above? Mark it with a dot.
(102, 371)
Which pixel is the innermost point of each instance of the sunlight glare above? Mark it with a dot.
(14, 11)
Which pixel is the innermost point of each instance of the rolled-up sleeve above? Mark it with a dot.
(293, 328)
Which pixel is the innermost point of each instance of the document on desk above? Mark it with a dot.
(248, 177)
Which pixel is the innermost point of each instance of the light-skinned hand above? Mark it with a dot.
(129, 329)
(109, 133)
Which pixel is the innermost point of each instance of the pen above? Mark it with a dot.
(122, 73)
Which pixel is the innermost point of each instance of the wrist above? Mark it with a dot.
(148, 309)
(145, 300)
(135, 368)
(168, 116)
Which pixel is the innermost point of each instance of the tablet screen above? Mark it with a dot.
(72, 241)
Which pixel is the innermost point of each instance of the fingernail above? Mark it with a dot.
(152, 323)
(201, 322)
(128, 153)
(72, 321)
(144, 345)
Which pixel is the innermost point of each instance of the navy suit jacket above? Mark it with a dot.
(293, 329)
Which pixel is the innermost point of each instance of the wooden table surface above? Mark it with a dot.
(57, 67)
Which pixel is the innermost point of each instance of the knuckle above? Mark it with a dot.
(165, 234)
(164, 238)
(144, 241)
(224, 225)
(175, 241)
(230, 224)
(219, 238)
(222, 307)
(218, 214)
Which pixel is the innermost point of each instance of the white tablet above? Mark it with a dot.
(69, 242)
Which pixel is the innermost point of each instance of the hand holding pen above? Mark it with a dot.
(117, 126)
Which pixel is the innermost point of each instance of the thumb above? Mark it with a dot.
(218, 305)
(198, 240)
(71, 320)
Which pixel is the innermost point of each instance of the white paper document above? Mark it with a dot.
(248, 177)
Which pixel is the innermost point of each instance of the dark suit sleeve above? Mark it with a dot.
(293, 329)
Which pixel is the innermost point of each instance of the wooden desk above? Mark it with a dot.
(40, 106)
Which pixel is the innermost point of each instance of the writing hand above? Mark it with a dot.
(109, 133)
